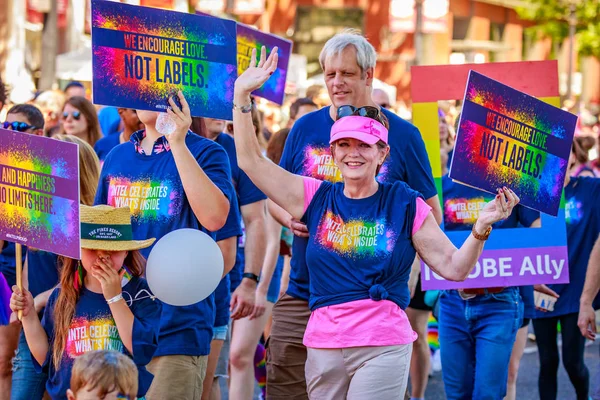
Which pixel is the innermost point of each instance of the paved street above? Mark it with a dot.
(528, 374)
(527, 383)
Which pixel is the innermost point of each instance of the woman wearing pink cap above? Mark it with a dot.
(363, 239)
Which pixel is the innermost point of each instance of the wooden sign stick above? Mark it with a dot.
(19, 267)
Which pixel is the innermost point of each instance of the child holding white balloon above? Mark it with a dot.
(102, 303)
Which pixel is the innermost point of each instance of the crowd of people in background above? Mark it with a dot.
(294, 319)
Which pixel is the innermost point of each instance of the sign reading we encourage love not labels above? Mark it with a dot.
(508, 138)
(142, 56)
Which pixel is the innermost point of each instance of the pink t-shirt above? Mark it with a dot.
(362, 322)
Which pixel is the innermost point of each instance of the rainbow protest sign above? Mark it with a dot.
(39, 192)
(248, 39)
(508, 138)
(143, 55)
(512, 256)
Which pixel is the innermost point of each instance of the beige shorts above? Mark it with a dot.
(358, 373)
(177, 377)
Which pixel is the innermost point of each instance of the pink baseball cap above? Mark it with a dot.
(364, 129)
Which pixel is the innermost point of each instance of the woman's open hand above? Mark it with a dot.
(256, 75)
(500, 208)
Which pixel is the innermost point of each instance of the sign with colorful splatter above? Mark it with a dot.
(248, 39)
(514, 255)
(142, 56)
(39, 192)
(508, 138)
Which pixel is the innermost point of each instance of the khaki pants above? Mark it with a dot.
(358, 373)
(286, 355)
(177, 377)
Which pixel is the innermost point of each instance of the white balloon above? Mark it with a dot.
(184, 267)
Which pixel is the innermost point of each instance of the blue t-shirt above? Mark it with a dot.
(8, 265)
(360, 248)
(307, 153)
(150, 185)
(582, 214)
(105, 145)
(238, 269)
(246, 190)
(232, 228)
(462, 205)
(109, 120)
(42, 269)
(93, 328)
(247, 193)
(526, 293)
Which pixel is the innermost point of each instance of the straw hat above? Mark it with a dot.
(108, 228)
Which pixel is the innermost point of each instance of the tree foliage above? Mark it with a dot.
(551, 18)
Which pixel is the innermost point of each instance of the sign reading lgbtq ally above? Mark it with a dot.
(248, 39)
(142, 56)
(39, 192)
(508, 138)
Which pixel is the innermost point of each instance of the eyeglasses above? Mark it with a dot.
(18, 126)
(384, 105)
(76, 115)
(129, 300)
(366, 111)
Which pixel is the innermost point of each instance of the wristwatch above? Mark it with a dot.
(250, 275)
(480, 236)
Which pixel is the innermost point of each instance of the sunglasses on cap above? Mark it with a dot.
(366, 111)
(18, 126)
(76, 115)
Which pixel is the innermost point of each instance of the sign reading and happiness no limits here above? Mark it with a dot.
(39, 192)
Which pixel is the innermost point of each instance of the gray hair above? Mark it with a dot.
(366, 57)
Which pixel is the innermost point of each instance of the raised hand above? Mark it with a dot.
(182, 118)
(500, 208)
(256, 75)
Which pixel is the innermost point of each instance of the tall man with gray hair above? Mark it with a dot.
(348, 61)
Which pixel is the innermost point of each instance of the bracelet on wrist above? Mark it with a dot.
(481, 236)
(244, 109)
(115, 299)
